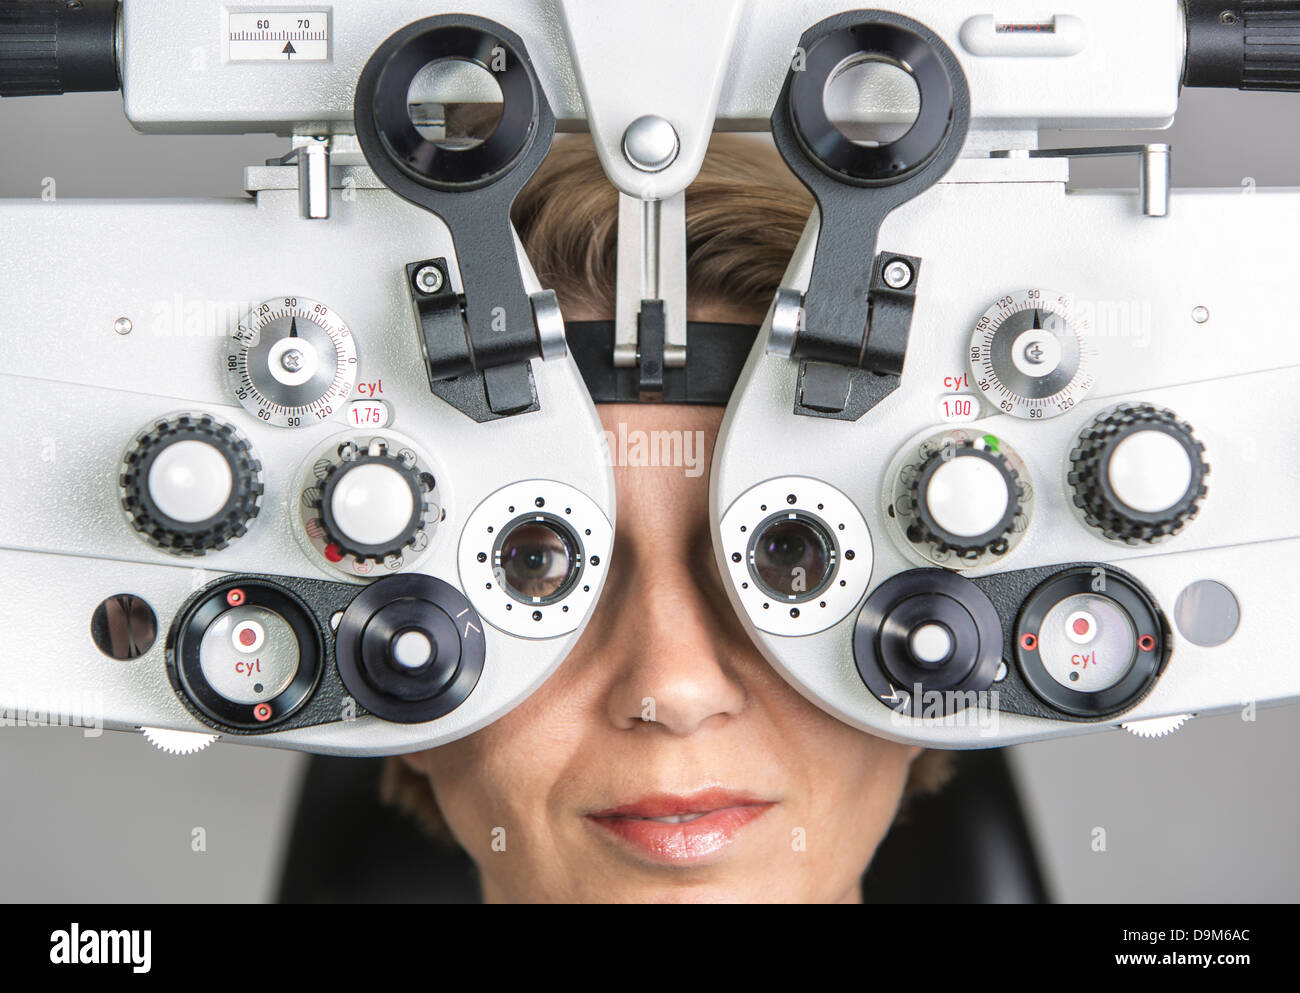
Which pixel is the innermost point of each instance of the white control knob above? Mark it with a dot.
(1150, 471)
(966, 498)
(190, 481)
(931, 643)
(373, 502)
(1138, 473)
(412, 649)
(190, 484)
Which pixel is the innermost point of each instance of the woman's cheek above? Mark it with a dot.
(505, 774)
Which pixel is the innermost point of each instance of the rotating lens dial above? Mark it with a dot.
(292, 362)
(1030, 354)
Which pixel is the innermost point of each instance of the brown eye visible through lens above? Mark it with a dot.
(792, 557)
(537, 560)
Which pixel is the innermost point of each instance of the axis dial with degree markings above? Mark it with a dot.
(292, 362)
(1030, 353)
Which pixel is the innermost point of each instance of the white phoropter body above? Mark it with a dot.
(64, 541)
(1174, 335)
(275, 337)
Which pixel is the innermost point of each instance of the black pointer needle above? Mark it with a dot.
(1038, 320)
(293, 327)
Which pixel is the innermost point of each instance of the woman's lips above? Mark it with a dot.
(672, 828)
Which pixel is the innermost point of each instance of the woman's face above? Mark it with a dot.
(665, 760)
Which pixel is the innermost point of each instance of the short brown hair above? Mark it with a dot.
(744, 215)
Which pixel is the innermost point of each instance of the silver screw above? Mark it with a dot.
(898, 274)
(123, 325)
(1200, 314)
(650, 143)
(429, 279)
(291, 360)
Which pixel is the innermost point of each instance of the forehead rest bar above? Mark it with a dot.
(716, 355)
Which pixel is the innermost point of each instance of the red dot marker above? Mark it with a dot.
(1028, 641)
(262, 711)
(235, 597)
(333, 554)
(247, 636)
(1146, 643)
(1080, 626)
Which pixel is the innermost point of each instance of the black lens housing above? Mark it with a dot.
(383, 113)
(894, 43)
(801, 525)
(365, 648)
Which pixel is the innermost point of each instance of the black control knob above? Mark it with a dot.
(410, 648)
(1138, 473)
(925, 640)
(966, 499)
(1243, 44)
(245, 654)
(53, 46)
(190, 484)
(373, 502)
(1091, 641)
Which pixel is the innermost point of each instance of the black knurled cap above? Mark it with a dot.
(1089, 474)
(57, 46)
(1243, 44)
(926, 528)
(191, 537)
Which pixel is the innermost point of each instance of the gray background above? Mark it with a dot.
(1210, 813)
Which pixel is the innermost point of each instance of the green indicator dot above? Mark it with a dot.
(991, 443)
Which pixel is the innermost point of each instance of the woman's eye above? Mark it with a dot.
(535, 561)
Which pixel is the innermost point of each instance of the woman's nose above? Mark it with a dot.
(671, 655)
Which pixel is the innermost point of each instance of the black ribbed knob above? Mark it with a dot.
(190, 484)
(966, 501)
(373, 502)
(1138, 473)
(1243, 44)
(57, 46)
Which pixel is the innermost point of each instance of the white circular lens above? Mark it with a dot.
(372, 504)
(1093, 663)
(967, 496)
(190, 481)
(1150, 471)
(931, 643)
(242, 674)
(412, 649)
